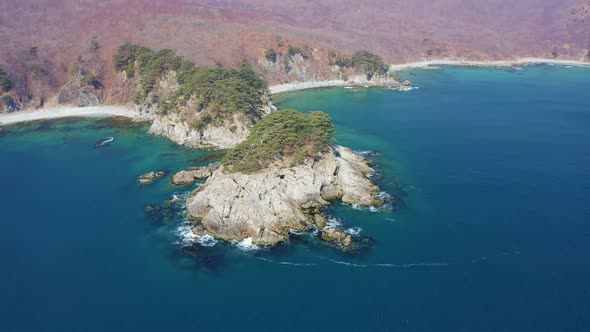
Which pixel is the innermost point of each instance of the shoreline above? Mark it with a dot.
(499, 63)
(289, 87)
(119, 110)
(282, 88)
(65, 112)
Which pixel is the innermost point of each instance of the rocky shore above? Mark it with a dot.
(193, 174)
(265, 206)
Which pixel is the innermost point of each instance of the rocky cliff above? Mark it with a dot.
(263, 207)
(294, 65)
(177, 126)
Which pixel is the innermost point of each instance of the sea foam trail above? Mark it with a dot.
(389, 265)
(284, 262)
(402, 266)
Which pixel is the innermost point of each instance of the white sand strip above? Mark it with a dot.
(503, 63)
(304, 85)
(64, 112)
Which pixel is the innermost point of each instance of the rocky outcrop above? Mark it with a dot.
(315, 67)
(178, 127)
(84, 88)
(193, 174)
(149, 178)
(338, 236)
(265, 206)
(179, 130)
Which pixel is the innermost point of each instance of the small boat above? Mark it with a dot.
(104, 141)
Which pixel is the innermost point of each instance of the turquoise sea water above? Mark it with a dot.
(491, 231)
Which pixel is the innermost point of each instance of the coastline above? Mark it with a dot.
(499, 63)
(276, 89)
(289, 87)
(64, 112)
(119, 110)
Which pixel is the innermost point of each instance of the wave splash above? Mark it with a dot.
(188, 238)
(246, 244)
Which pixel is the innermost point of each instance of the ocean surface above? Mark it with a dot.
(489, 231)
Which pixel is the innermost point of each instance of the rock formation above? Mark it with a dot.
(192, 174)
(264, 206)
(149, 178)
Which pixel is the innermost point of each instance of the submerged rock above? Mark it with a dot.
(149, 178)
(192, 174)
(266, 205)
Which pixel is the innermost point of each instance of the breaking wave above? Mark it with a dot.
(354, 231)
(368, 153)
(187, 237)
(333, 222)
(246, 244)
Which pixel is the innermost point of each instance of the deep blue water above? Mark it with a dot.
(491, 231)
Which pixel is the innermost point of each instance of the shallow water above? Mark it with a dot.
(490, 231)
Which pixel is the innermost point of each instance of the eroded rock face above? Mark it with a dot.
(192, 174)
(177, 127)
(265, 205)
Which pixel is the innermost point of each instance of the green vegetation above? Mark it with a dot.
(6, 100)
(288, 135)
(366, 61)
(5, 82)
(342, 61)
(90, 79)
(271, 55)
(293, 50)
(150, 65)
(222, 91)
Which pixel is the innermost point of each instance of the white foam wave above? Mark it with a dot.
(206, 240)
(348, 263)
(246, 244)
(292, 231)
(406, 88)
(391, 219)
(367, 153)
(333, 222)
(354, 231)
(187, 237)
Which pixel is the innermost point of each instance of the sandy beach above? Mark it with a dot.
(275, 89)
(502, 63)
(65, 111)
(305, 85)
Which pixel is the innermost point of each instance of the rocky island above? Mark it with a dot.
(278, 180)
